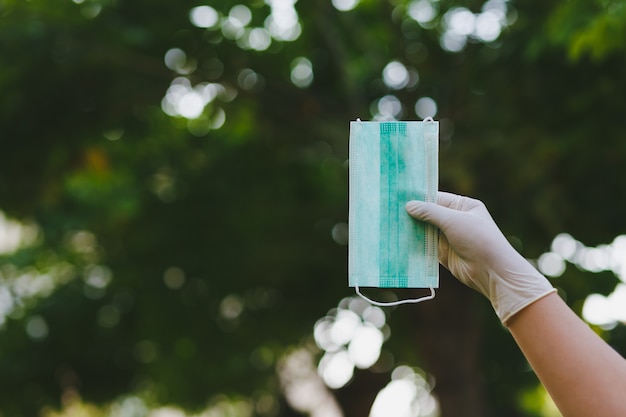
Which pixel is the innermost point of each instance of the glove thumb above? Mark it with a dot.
(428, 212)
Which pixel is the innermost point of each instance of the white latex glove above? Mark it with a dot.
(474, 250)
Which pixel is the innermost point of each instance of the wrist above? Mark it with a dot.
(512, 291)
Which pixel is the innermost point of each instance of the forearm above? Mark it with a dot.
(583, 374)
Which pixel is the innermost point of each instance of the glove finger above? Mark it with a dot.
(448, 199)
(429, 212)
(458, 202)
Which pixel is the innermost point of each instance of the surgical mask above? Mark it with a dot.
(392, 163)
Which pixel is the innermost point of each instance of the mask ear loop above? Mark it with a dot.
(395, 303)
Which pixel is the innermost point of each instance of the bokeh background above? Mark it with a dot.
(173, 196)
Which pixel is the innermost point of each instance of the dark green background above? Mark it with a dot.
(532, 124)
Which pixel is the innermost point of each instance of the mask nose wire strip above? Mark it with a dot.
(395, 303)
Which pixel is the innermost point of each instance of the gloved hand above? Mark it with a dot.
(476, 252)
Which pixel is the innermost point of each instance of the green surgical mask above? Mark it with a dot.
(392, 163)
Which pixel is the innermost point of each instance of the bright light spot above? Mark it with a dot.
(351, 335)
(488, 26)
(167, 412)
(364, 348)
(426, 107)
(596, 310)
(303, 387)
(281, 32)
(355, 304)
(301, 72)
(389, 106)
(82, 241)
(564, 245)
(617, 303)
(232, 28)
(20, 286)
(336, 369)
(551, 264)
(6, 303)
(204, 16)
(247, 79)
(91, 10)
(345, 5)
(183, 100)
(591, 259)
(222, 406)
(375, 316)
(601, 258)
(218, 119)
(259, 39)
(617, 257)
(596, 259)
(231, 307)
(37, 328)
(344, 327)
(98, 276)
(174, 278)
(460, 24)
(14, 235)
(209, 91)
(397, 398)
(321, 334)
(496, 6)
(190, 105)
(395, 75)
(113, 134)
(226, 93)
(422, 11)
(31, 284)
(128, 407)
(340, 233)
(406, 395)
(241, 14)
(164, 184)
(168, 107)
(460, 21)
(453, 42)
(281, 3)
(282, 23)
(176, 60)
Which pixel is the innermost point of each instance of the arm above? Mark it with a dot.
(581, 372)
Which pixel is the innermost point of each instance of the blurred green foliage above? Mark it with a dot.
(186, 255)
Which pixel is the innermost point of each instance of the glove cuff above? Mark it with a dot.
(513, 292)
